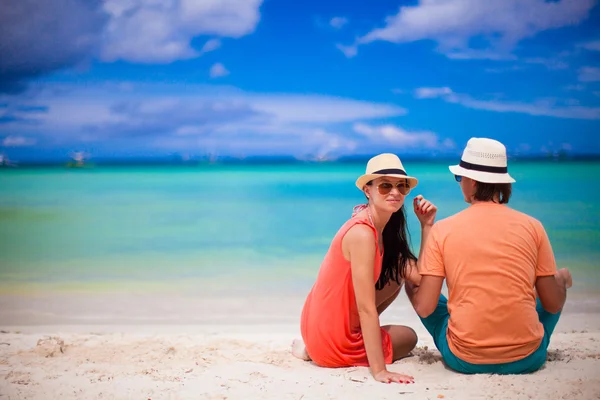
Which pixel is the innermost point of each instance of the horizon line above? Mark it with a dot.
(275, 159)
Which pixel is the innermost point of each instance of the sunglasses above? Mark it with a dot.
(458, 178)
(385, 188)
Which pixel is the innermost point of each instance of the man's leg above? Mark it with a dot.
(536, 360)
(437, 323)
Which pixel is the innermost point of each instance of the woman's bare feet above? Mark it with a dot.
(563, 275)
(299, 350)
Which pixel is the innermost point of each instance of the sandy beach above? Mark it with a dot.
(205, 357)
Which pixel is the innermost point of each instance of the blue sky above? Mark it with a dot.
(146, 78)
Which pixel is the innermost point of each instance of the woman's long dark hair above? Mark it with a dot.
(396, 250)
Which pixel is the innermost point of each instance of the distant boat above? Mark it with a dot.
(78, 161)
(559, 155)
(5, 162)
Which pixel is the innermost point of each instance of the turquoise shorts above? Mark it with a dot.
(437, 325)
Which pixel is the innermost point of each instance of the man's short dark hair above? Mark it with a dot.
(489, 191)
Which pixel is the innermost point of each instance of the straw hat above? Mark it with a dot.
(483, 160)
(385, 164)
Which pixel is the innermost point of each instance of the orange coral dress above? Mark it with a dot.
(330, 324)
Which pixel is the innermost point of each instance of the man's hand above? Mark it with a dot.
(563, 277)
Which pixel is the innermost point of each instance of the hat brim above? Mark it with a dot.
(364, 179)
(480, 176)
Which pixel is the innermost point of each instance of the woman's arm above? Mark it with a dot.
(359, 243)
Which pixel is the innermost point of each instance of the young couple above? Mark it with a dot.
(505, 294)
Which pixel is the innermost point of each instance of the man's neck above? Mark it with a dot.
(495, 201)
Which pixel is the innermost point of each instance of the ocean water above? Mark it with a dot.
(218, 228)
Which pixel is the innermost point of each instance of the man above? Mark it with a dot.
(505, 295)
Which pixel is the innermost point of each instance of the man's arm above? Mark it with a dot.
(425, 297)
(552, 292)
(550, 285)
(413, 274)
(424, 294)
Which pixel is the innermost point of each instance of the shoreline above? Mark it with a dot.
(217, 308)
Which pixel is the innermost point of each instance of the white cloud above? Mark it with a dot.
(194, 117)
(429, 93)
(17, 141)
(398, 136)
(575, 88)
(469, 54)
(211, 45)
(593, 46)
(322, 109)
(338, 22)
(589, 74)
(349, 51)
(512, 68)
(542, 107)
(303, 143)
(524, 147)
(502, 24)
(448, 144)
(152, 31)
(218, 70)
(327, 143)
(550, 63)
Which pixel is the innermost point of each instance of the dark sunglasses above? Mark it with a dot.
(385, 188)
(458, 178)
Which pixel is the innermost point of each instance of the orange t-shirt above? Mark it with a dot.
(330, 324)
(491, 256)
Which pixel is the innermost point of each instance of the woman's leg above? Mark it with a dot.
(299, 350)
(404, 340)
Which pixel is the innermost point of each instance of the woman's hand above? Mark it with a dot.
(389, 377)
(425, 210)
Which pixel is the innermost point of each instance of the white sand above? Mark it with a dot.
(231, 361)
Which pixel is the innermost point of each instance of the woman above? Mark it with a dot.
(358, 280)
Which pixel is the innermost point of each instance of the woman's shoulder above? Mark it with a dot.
(360, 232)
(357, 228)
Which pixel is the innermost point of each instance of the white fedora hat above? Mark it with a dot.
(385, 164)
(483, 160)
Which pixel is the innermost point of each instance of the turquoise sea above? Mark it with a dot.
(255, 228)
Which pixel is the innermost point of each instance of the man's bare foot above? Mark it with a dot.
(564, 275)
(299, 350)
